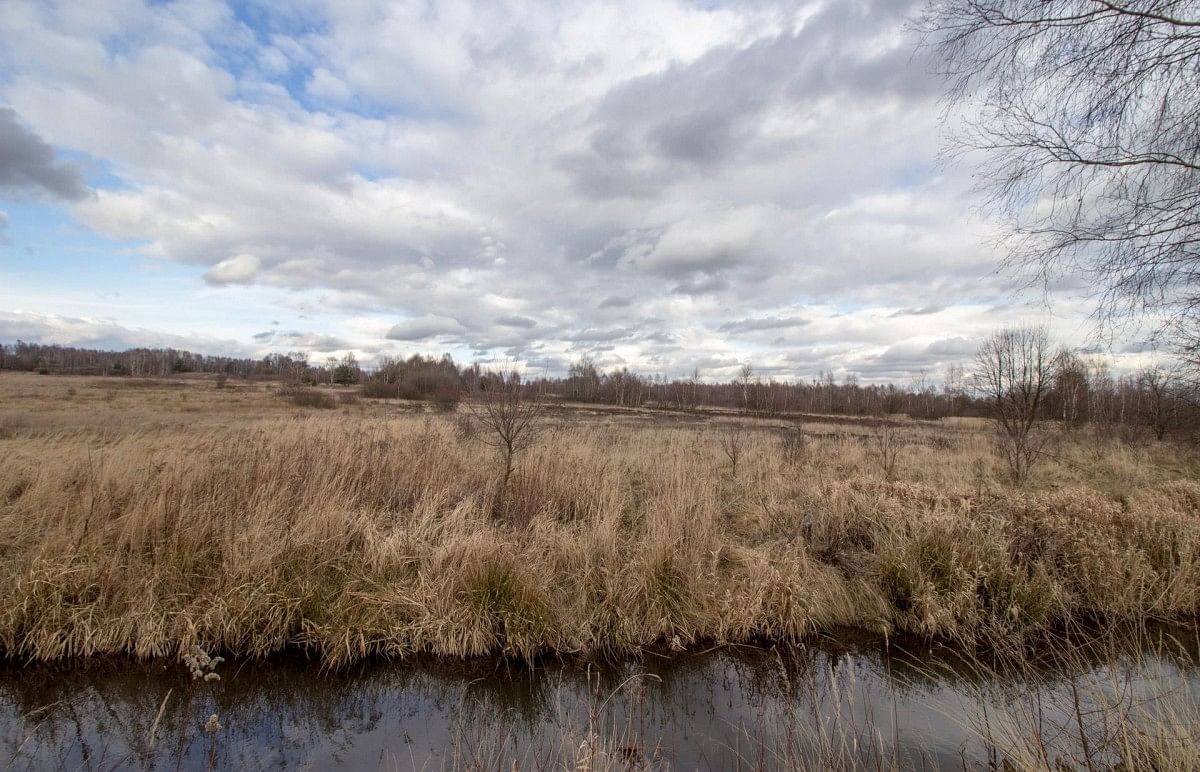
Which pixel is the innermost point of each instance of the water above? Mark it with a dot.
(717, 709)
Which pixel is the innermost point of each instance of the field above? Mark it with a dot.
(145, 517)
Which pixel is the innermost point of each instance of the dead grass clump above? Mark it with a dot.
(147, 535)
(793, 445)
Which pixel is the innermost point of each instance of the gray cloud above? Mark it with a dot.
(514, 320)
(701, 284)
(913, 357)
(612, 301)
(428, 326)
(598, 335)
(28, 165)
(303, 341)
(755, 324)
(920, 311)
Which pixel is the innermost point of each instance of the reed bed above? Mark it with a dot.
(374, 531)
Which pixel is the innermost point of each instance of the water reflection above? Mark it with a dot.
(718, 709)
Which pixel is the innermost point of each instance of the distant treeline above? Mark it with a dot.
(1081, 390)
(148, 362)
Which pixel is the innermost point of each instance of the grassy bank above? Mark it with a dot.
(146, 520)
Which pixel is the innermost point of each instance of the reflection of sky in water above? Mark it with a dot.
(700, 710)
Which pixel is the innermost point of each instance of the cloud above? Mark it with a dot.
(3, 226)
(613, 301)
(302, 341)
(513, 320)
(661, 183)
(424, 327)
(757, 324)
(921, 311)
(90, 332)
(28, 165)
(239, 269)
(708, 242)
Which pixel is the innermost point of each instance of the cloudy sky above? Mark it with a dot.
(661, 185)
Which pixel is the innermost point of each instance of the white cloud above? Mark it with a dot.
(239, 269)
(660, 183)
(92, 332)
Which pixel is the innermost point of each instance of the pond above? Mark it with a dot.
(844, 700)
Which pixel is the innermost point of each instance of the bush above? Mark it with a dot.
(221, 380)
(348, 398)
(794, 445)
(306, 397)
(445, 400)
(379, 389)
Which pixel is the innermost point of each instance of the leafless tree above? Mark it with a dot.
(887, 449)
(732, 436)
(1087, 114)
(1159, 404)
(511, 418)
(1013, 374)
(1070, 387)
(745, 376)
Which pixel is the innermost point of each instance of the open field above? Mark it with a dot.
(144, 517)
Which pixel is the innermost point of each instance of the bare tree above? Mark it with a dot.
(510, 417)
(1070, 387)
(745, 376)
(1087, 114)
(1159, 406)
(887, 449)
(732, 436)
(1013, 374)
(954, 387)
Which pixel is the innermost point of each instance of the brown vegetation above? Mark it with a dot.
(167, 518)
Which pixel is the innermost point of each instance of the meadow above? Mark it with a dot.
(145, 517)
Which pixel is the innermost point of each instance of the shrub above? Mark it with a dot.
(306, 397)
(446, 399)
(794, 444)
(348, 398)
(380, 389)
(222, 379)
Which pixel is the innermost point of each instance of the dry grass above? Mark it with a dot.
(166, 517)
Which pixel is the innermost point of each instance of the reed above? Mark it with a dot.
(249, 527)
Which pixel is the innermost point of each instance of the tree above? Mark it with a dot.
(1159, 406)
(745, 376)
(1013, 374)
(732, 445)
(1087, 116)
(583, 380)
(511, 418)
(346, 373)
(1070, 387)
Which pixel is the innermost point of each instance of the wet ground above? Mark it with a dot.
(911, 706)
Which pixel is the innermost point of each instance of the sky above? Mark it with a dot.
(663, 186)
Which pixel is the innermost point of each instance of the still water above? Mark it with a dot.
(909, 706)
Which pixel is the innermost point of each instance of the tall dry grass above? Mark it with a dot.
(368, 531)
